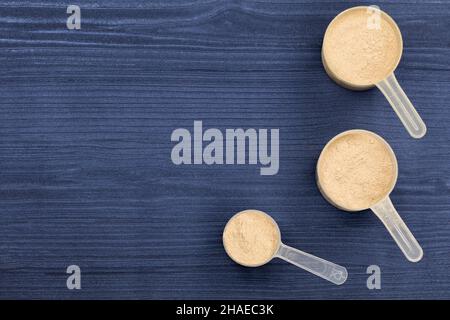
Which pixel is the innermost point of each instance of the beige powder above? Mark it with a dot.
(356, 170)
(251, 238)
(356, 52)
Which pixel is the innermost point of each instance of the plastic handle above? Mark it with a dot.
(399, 231)
(320, 267)
(402, 106)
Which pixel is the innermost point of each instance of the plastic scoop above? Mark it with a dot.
(252, 231)
(330, 170)
(361, 49)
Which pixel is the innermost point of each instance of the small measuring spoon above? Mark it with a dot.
(350, 44)
(320, 267)
(381, 206)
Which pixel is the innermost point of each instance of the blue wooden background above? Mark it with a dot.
(85, 171)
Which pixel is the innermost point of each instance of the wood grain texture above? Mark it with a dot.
(85, 170)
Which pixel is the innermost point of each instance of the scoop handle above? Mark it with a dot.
(402, 106)
(318, 266)
(386, 212)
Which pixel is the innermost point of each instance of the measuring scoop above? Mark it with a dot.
(380, 204)
(361, 49)
(255, 233)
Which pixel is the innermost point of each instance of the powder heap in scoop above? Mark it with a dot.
(251, 238)
(362, 47)
(356, 170)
